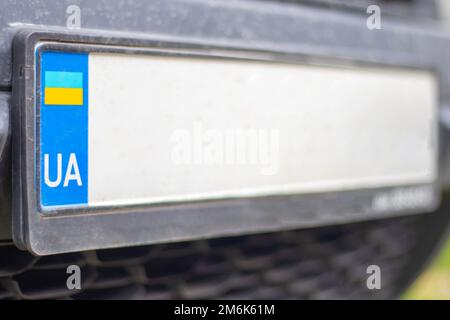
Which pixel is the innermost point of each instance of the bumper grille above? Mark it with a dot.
(328, 262)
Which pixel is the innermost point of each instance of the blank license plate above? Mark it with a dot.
(119, 129)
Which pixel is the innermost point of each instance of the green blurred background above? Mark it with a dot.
(434, 282)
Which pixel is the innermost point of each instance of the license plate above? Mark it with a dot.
(126, 140)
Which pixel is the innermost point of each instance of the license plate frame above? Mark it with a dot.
(76, 229)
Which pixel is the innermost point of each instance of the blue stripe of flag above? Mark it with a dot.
(63, 79)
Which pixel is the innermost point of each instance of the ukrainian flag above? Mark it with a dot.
(63, 88)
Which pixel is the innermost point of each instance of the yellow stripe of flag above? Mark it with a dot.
(63, 96)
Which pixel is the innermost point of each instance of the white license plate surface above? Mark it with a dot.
(119, 129)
